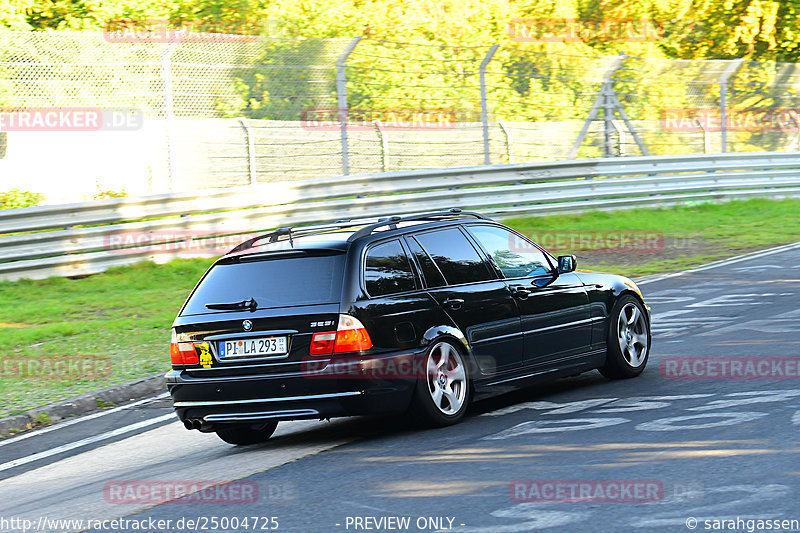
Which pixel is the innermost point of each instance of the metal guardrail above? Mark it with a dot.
(76, 239)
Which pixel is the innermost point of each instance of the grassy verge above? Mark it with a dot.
(674, 238)
(119, 321)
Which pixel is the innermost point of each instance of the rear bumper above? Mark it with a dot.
(347, 388)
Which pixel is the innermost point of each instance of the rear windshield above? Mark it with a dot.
(282, 282)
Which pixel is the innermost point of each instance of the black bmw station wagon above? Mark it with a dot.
(418, 313)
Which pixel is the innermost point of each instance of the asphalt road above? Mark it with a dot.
(680, 450)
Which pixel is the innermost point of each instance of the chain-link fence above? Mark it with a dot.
(218, 110)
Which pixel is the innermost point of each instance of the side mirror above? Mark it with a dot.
(566, 263)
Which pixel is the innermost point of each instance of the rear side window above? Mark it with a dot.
(433, 278)
(455, 256)
(285, 282)
(387, 270)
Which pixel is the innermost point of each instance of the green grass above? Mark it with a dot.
(704, 232)
(119, 320)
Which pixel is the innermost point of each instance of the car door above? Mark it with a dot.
(476, 300)
(554, 309)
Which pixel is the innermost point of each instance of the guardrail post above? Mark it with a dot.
(382, 135)
(169, 111)
(487, 158)
(723, 100)
(251, 151)
(341, 98)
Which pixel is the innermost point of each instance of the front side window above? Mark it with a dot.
(457, 259)
(387, 270)
(514, 256)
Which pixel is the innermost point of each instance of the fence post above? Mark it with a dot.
(619, 127)
(384, 144)
(723, 100)
(169, 111)
(602, 97)
(509, 148)
(341, 97)
(487, 158)
(706, 135)
(251, 151)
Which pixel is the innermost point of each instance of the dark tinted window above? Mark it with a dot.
(433, 278)
(272, 283)
(456, 257)
(387, 270)
(514, 256)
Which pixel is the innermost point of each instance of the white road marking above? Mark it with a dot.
(551, 426)
(645, 403)
(553, 408)
(731, 504)
(661, 300)
(757, 268)
(727, 419)
(61, 425)
(74, 487)
(729, 300)
(749, 398)
(85, 442)
(724, 262)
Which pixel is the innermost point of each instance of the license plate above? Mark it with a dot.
(255, 347)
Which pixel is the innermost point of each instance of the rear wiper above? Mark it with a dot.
(244, 304)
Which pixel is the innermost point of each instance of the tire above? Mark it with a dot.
(442, 394)
(245, 435)
(628, 341)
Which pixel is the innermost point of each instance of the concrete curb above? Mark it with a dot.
(86, 403)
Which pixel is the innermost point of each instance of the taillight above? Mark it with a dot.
(182, 352)
(322, 343)
(350, 336)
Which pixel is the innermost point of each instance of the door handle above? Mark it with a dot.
(522, 294)
(454, 303)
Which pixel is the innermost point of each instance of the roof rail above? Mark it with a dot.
(370, 224)
(454, 213)
(290, 232)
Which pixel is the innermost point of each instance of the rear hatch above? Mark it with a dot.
(256, 313)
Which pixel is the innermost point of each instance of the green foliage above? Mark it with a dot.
(757, 29)
(16, 198)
